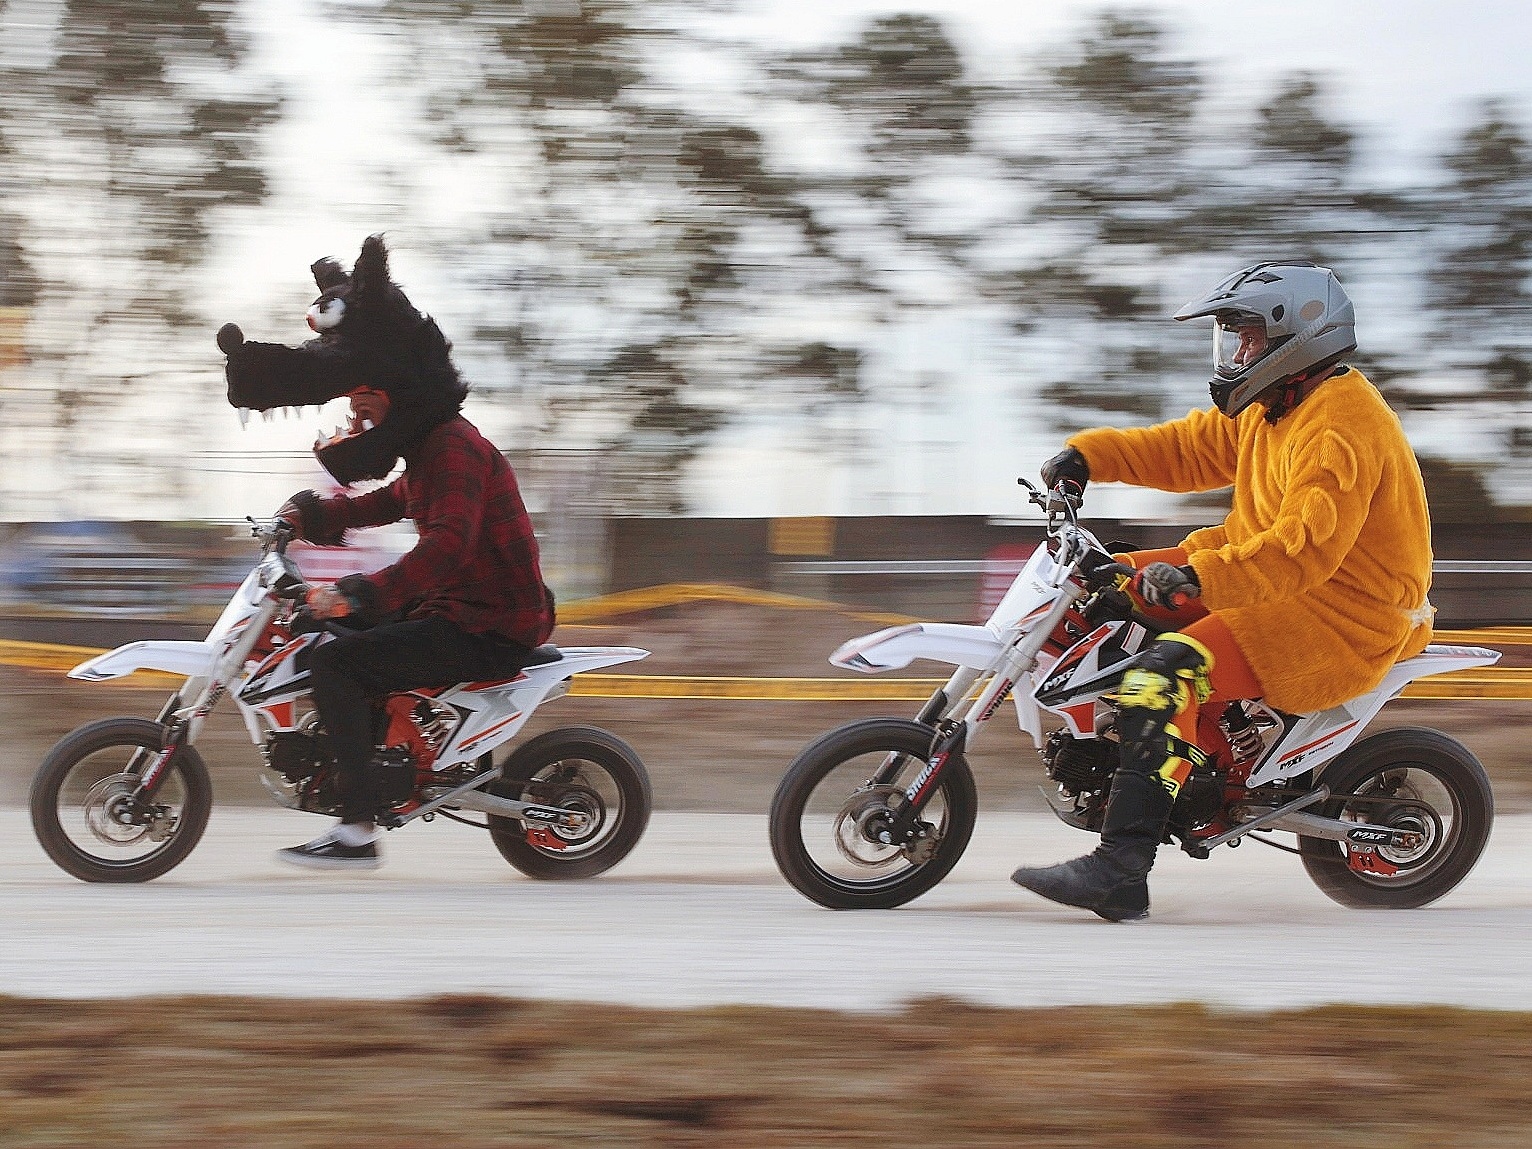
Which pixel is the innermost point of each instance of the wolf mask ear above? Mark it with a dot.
(328, 274)
(370, 275)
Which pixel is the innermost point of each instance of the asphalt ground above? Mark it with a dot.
(698, 915)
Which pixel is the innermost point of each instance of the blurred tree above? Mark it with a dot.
(1117, 178)
(1456, 491)
(1484, 214)
(635, 248)
(1293, 124)
(902, 82)
(18, 281)
(125, 113)
(1476, 357)
(905, 102)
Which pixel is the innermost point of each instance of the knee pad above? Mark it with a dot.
(1166, 675)
(1176, 654)
(1158, 685)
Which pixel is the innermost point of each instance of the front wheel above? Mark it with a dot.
(1408, 778)
(842, 790)
(578, 768)
(87, 818)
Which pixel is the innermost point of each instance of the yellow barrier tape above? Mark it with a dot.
(676, 594)
(1514, 683)
(1487, 636)
(44, 655)
(1506, 683)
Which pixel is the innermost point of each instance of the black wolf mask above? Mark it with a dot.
(369, 338)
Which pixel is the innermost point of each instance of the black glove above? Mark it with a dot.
(303, 512)
(1166, 586)
(297, 512)
(363, 598)
(1067, 464)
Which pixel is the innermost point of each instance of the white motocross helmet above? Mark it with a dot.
(1272, 322)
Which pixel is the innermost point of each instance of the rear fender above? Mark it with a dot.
(503, 707)
(545, 680)
(578, 659)
(1435, 659)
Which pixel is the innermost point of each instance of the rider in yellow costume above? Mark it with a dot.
(1312, 587)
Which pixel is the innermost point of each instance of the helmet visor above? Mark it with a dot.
(1239, 342)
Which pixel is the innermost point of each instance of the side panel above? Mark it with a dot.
(491, 713)
(1309, 740)
(1087, 670)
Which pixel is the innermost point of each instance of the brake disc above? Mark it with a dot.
(857, 825)
(110, 812)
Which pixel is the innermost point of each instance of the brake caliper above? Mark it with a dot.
(1368, 862)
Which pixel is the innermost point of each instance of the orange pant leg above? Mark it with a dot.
(1231, 678)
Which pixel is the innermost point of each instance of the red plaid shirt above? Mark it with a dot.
(476, 563)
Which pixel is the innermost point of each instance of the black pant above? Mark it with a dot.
(349, 672)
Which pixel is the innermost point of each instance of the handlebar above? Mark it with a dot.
(1064, 497)
(274, 533)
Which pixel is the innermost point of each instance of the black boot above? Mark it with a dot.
(1111, 881)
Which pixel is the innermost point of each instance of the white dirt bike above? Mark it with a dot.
(127, 799)
(877, 812)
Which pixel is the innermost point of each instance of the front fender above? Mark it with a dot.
(892, 649)
(175, 657)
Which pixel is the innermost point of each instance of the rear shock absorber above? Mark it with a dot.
(1244, 735)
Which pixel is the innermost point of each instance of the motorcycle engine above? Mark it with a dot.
(1080, 766)
(296, 754)
(303, 758)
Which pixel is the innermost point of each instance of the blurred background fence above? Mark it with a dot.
(99, 583)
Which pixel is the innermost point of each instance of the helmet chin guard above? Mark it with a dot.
(1305, 321)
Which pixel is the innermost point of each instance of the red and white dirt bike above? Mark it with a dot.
(877, 812)
(127, 799)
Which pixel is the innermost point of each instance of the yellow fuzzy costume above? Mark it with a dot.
(1322, 567)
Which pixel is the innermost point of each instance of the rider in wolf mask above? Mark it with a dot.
(1312, 587)
(468, 602)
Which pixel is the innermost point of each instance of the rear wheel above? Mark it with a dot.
(85, 814)
(845, 787)
(576, 768)
(1407, 779)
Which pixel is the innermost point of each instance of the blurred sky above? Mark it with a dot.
(1408, 66)
(1406, 74)
(1408, 70)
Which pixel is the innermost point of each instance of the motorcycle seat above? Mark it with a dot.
(544, 654)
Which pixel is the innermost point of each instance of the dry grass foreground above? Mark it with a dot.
(482, 1071)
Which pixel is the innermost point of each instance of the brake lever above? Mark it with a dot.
(1107, 574)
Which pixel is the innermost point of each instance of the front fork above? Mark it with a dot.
(906, 825)
(181, 724)
(951, 736)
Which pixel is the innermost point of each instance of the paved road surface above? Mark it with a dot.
(698, 915)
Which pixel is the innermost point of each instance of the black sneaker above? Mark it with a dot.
(330, 853)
